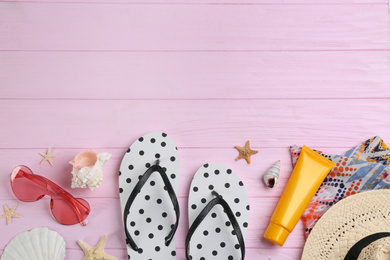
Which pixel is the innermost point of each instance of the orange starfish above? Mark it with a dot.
(245, 152)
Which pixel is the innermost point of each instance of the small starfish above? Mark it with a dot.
(9, 213)
(245, 152)
(95, 252)
(47, 157)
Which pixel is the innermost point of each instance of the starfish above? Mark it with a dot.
(95, 252)
(9, 213)
(47, 157)
(245, 152)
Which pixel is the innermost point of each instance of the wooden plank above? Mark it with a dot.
(107, 210)
(194, 75)
(121, 27)
(210, 74)
(216, 2)
(190, 159)
(250, 253)
(192, 124)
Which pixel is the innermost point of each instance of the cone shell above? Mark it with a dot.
(38, 243)
(272, 174)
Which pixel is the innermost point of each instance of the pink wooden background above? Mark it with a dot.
(210, 73)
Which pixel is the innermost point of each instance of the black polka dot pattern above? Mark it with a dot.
(215, 238)
(151, 215)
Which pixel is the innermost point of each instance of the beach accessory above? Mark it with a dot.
(354, 228)
(95, 252)
(38, 243)
(87, 169)
(29, 187)
(371, 150)
(307, 176)
(218, 211)
(349, 176)
(148, 182)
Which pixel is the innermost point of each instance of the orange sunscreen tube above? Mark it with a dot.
(309, 172)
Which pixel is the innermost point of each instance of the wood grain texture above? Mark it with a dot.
(186, 75)
(192, 124)
(117, 27)
(211, 73)
(250, 253)
(214, 2)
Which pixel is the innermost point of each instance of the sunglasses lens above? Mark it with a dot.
(69, 211)
(26, 186)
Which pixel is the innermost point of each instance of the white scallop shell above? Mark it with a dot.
(37, 244)
(272, 174)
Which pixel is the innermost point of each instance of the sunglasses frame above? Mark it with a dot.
(54, 191)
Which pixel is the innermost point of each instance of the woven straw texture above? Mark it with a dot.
(378, 250)
(347, 222)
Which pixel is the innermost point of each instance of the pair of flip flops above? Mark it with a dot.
(218, 204)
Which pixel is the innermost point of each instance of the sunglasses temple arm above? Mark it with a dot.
(36, 181)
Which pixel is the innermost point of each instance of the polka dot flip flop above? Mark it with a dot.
(218, 210)
(148, 181)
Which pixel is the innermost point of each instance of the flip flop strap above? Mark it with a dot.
(356, 249)
(137, 189)
(236, 227)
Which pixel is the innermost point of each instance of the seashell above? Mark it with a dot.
(87, 169)
(39, 243)
(272, 174)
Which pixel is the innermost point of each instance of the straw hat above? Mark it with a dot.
(358, 225)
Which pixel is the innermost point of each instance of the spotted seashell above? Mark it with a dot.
(272, 174)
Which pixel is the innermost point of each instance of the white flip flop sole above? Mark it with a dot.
(215, 238)
(151, 213)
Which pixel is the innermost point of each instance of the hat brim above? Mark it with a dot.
(347, 222)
